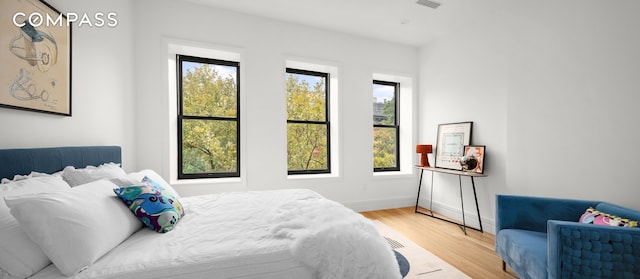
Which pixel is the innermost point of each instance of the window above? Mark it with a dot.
(208, 118)
(308, 127)
(386, 127)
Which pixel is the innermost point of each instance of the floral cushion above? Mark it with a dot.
(152, 204)
(592, 216)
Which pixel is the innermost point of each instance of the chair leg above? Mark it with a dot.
(504, 266)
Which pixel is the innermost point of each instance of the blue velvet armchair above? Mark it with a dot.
(542, 238)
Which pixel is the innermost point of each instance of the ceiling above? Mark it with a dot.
(399, 21)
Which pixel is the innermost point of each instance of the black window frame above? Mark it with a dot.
(396, 126)
(327, 121)
(187, 58)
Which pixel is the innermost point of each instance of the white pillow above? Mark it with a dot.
(75, 227)
(77, 177)
(138, 176)
(19, 177)
(19, 255)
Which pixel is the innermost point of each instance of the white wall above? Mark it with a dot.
(463, 78)
(552, 89)
(102, 89)
(265, 45)
(574, 96)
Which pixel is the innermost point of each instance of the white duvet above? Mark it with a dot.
(334, 241)
(266, 234)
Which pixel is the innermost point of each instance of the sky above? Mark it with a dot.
(223, 71)
(383, 92)
(311, 80)
(380, 92)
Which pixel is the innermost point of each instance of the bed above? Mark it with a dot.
(294, 233)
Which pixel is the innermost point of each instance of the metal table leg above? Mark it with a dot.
(473, 184)
(419, 186)
(464, 223)
(431, 197)
(462, 226)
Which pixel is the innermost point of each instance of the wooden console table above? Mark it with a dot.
(460, 174)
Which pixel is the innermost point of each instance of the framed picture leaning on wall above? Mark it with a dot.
(475, 153)
(35, 50)
(452, 137)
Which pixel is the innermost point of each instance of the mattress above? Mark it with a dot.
(226, 235)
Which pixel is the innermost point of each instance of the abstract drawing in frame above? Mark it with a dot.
(452, 137)
(35, 50)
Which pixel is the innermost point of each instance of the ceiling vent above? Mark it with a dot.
(430, 4)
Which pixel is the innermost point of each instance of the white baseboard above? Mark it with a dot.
(361, 206)
(470, 215)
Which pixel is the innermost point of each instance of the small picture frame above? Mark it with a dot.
(452, 137)
(477, 152)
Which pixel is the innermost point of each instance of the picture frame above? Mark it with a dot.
(477, 152)
(35, 50)
(450, 142)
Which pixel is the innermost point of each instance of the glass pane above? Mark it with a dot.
(307, 147)
(384, 104)
(384, 147)
(209, 89)
(209, 146)
(306, 97)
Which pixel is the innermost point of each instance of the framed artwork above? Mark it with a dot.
(452, 137)
(475, 157)
(35, 50)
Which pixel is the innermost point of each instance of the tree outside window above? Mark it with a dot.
(208, 118)
(308, 148)
(386, 128)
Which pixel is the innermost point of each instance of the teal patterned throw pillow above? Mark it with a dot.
(152, 204)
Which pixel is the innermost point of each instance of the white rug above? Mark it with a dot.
(422, 263)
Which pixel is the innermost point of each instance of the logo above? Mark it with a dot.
(37, 19)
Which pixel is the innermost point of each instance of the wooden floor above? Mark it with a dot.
(472, 254)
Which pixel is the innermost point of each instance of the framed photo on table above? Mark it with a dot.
(476, 152)
(452, 137)
(36, 57)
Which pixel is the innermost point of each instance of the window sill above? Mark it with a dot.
(393, 174)
(312, 176)
(197, 181)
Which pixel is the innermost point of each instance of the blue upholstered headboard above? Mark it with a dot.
(53, 159)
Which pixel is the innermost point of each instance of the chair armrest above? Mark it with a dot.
(532, 213)
(592, 251)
